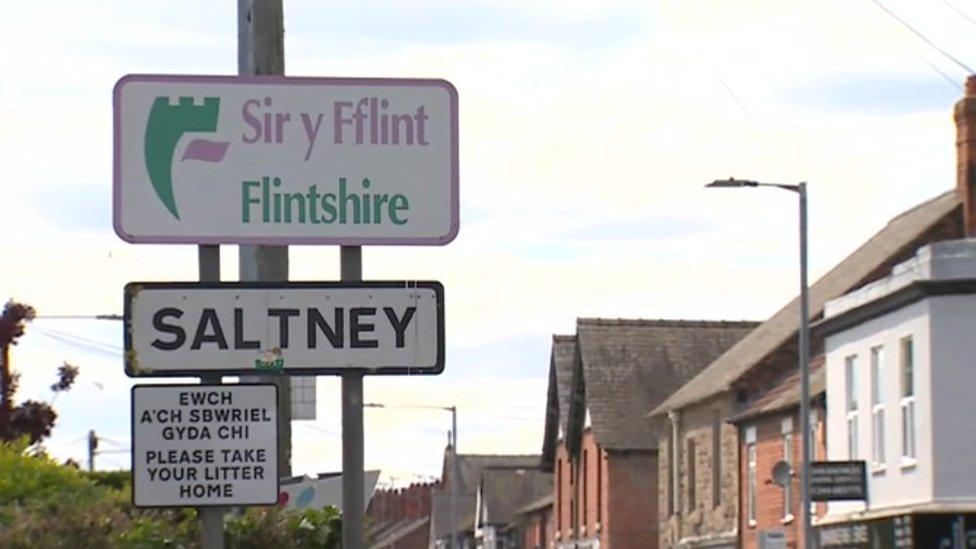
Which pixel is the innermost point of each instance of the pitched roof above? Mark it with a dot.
(471, 466)
(537, 505)
(630, 366)
(505, 491)
(557, 399)
(896, 239)
(440, 514)
(392, 533)
(785, 395)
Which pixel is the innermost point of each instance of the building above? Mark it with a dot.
(502, 493)
(399, 518)
(601, 449)
(900, 386)
(470, 468)
(536, 523)
(700, 502)
(770, 432)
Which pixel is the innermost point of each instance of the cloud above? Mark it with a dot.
(878, 94)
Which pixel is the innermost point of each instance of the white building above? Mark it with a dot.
(901, 389)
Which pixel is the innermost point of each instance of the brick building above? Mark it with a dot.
(469, 468)
(502, 493)
(536, 523)
(399, 518)
(601, 449)
(698, 412)
(769, 431)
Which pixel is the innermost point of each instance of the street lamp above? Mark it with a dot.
(454, 457)
(804, 344)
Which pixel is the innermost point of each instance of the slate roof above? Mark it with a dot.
(630, 366)
(391, 534)
(898, 238)
(440, 514)
(785, 395)
(505, 491)
(537, 505)
(471, 466)
(557, 399)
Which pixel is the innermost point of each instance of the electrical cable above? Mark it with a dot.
(961, 14)
(922, 36)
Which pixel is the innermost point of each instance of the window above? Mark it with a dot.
(877, 407)
(673, 506)
(751, 475)
(787, 430)
(559, 494)
(850, 377)
(907, 368)
(716, 458)
(751, 495)
(692, 456)
(585, 488)
(599, 484)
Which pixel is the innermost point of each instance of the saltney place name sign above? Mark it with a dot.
(276, 160)
(196, 445)
(302, 328)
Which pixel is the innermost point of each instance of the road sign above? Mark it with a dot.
(299, 328)
(838, 480)
(276, 160)
(200, 445)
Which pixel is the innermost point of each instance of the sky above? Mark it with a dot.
(587, 133)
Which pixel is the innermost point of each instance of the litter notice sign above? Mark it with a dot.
(198, 445)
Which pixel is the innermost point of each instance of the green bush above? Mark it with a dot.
(260, 528)
(38, 478)
(45, 504)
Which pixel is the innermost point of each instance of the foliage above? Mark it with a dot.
(117, 480)
(39, 479)
(46, 504)
(31, 418)
(259, 528)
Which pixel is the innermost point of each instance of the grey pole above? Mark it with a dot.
(353, 530)
(211, 518)
(261, 51)
(92, 444)
(456, 472)
(804, 346)
(805, 370)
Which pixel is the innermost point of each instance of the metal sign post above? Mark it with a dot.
(265, 161)
(353, 524)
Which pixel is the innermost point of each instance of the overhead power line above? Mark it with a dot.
(923, 37)
(948, 78)
(961, 14)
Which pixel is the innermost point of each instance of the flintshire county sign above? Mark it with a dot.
(279, 161)
(276, 160)
(197, 445)
(301, 328)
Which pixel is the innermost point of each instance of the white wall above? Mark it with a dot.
(895, 483)
(954, 397)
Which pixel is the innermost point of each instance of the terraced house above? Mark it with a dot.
(600, 447)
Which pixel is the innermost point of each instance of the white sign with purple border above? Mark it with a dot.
(276, 160)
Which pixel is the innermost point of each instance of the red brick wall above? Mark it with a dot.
(632, 520)
(769, 496)
(537, 530)
(619, 505)
(578, 511)
(398, 504)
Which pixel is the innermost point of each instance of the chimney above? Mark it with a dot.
(965, 114)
